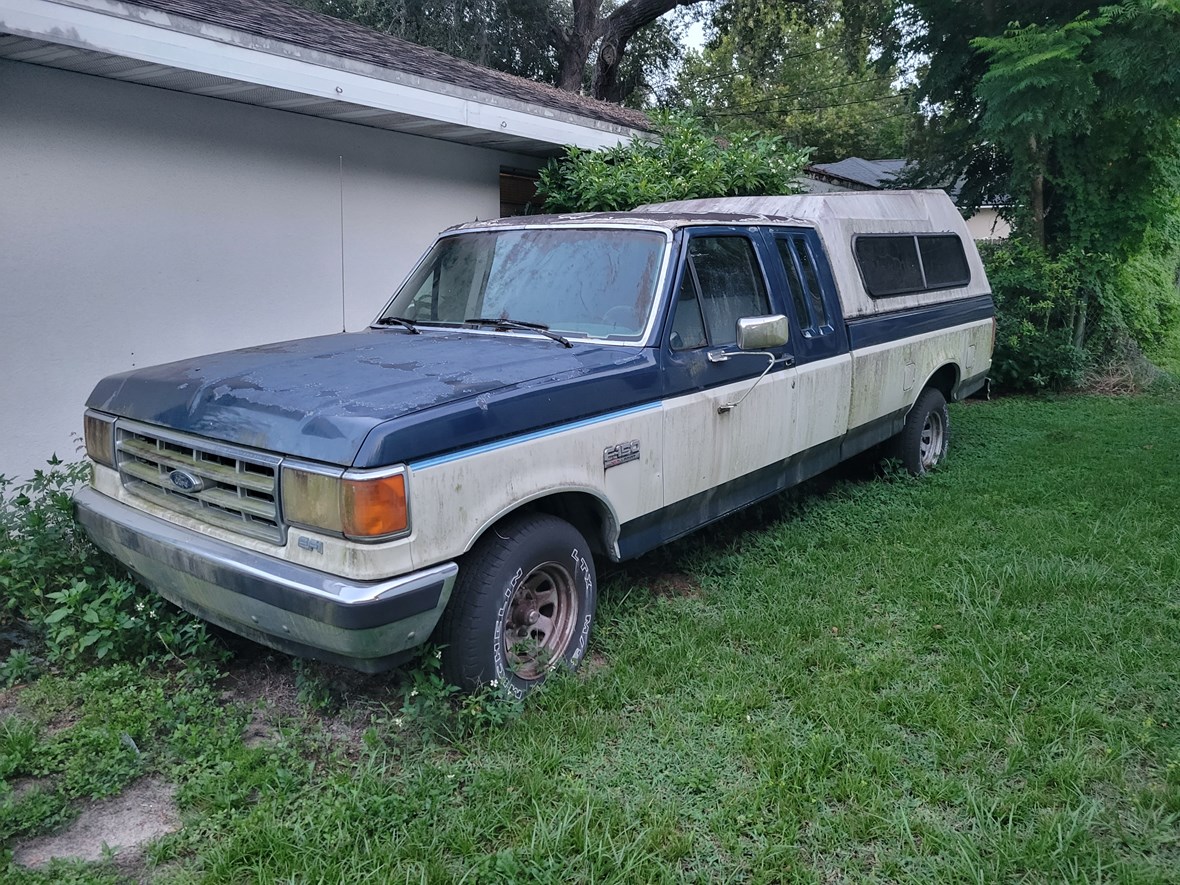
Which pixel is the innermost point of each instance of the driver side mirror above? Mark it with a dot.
(762, 333)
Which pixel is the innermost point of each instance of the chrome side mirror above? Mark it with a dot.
(762, 333)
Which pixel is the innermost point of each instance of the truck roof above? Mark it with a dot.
(838, 218)
(668, 220)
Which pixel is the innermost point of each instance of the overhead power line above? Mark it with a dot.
(723, 75)
(771, 98)
(738, 112)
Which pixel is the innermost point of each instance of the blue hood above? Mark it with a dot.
(381, 396)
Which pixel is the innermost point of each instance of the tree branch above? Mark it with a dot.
(619, 27)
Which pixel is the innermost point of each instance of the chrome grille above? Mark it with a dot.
(234, 489)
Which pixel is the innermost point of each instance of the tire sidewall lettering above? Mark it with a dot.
(582, 569)
(499, 667)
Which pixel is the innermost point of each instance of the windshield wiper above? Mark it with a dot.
(400, 321)
(504, 323)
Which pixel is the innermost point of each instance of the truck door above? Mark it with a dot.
(819, 339)
(714, 456)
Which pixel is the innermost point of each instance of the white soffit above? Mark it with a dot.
(97, 38)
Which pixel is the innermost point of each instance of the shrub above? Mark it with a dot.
(686, 163)
(1035, 299)
(76, 604)
(1133, 308)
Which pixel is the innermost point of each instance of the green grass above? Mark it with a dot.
(968, 678)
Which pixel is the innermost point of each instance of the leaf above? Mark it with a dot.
(57, 616)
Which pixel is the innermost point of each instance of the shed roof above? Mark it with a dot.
(858, 171)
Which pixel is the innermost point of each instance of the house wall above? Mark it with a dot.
(986, 224)
(139, 226)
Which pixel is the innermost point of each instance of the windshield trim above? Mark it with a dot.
(653, 314)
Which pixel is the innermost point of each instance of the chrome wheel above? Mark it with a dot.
(539, 620)
(922, 444)
(932, 442)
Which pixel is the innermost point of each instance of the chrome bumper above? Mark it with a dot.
(364, 625)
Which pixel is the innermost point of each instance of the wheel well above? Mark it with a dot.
(945, 380)
(583, 511)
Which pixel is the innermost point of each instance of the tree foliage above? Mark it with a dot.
(687, 163)
(802, 71)
(1073, 114)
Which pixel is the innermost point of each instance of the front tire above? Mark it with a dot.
(923, 442)
(523, 605)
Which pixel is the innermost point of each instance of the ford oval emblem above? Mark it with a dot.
(185, 481)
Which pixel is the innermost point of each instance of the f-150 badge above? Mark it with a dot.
(613, 456)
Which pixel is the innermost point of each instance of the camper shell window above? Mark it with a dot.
(902, 264)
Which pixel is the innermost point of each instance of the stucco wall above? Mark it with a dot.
(986, 224)
(139, 226)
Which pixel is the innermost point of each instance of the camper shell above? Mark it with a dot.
(841, 219)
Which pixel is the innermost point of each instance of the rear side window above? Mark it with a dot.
(943, 261)
(899, 264)
(805, 291)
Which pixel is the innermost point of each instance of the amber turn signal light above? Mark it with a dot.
(374, 508)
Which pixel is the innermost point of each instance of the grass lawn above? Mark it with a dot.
(967, 678)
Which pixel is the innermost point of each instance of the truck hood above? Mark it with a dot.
(321, 398)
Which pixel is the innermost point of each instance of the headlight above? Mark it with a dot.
(361, 505)
(99, 432)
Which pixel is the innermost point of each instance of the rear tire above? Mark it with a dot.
(523, 605)
(923, 442)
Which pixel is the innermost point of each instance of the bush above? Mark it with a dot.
(1035, 299)
(1132, 308)
(76, 605)
(687, 163)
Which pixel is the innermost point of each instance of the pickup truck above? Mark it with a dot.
(540, 393)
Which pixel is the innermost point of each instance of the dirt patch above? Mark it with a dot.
(594, 662)
(123, 825)
(675, 585)
(259, 684)
(270, 688)
(271, 695)
(23, 786)
(9, 701)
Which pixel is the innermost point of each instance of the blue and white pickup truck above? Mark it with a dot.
(540, 393)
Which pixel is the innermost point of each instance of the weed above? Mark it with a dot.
(313, 687)
(18, 742)
(20, 666)
(79, 604)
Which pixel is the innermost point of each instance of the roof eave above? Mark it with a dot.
(290, 77)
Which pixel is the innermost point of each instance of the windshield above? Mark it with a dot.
(576, 281)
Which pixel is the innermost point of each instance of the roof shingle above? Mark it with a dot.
(280, 21)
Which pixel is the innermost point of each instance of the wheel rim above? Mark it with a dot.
(539, 620)
(933, 440)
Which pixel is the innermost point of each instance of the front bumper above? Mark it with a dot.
(365, 625)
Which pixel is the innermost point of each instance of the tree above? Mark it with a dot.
(1074, 115)
(688, 162)
(801, 71)
(601, 32)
